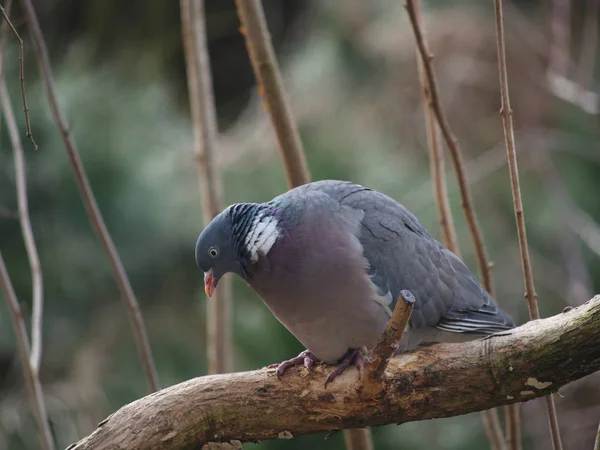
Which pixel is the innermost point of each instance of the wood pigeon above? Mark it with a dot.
(330, 259)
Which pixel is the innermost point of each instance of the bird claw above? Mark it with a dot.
(352, 357)
(308, 360)
(305, 358)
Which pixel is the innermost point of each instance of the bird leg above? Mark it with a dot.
(352, 357)
(305, 357)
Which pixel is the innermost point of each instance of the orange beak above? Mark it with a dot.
(209, 283)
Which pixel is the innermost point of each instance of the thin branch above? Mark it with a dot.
(390, 339)
(268, 76)
(597, 443)
(513, 426)
(89, 200)
(205, 128)
(26, 229)
(21, 76)
(34, 389)
(433, 109)
(511, 153)
(441, 380)
(455, 151)
(436, 158)
(493, 428)
(4, 36)
(358, 439)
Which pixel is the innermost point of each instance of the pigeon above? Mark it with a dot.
(330, 260)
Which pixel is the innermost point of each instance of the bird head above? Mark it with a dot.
(217, 252)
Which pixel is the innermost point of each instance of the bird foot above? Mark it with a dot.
(352, 358)
(306, 358)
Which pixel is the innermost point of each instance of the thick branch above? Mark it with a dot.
(438, 381)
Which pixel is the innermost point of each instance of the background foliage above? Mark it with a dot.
(350, 71)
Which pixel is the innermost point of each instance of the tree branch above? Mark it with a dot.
(443, 380)
(204, 118)
(32, 253)
(454, 149)
(268, 77)
(511, 154)
(435, 121)
(436, 156)
(388, 342)
(358, 439)
(21, 72)
(89, 200)
(32, 381)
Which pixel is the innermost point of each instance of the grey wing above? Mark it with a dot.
(403, 255)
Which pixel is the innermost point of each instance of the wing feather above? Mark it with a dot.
(403, 255)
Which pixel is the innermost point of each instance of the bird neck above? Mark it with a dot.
(254, 230)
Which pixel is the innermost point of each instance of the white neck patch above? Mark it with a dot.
(262, 236)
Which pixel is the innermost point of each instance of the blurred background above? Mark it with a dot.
(350, 71)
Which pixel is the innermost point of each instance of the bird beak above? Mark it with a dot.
(209, 283)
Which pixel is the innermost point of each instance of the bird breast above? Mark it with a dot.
(315, 282)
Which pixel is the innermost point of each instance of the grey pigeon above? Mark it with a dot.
(330, 259)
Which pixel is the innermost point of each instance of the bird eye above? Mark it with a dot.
(213, 252)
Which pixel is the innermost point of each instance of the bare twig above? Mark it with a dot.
(32, 254)
(34, 388)
(435, 118)
(4, 36)
(436, 158)
(21, 76)
(597, 443)
(205, 128)
(266, 70)
(493, 428)
(513, 426)
(455, 151)
(89, 200)
(358, 439)
(390, 339)
(439, 381)
(511, 154)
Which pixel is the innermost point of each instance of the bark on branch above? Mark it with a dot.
(444, 380)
